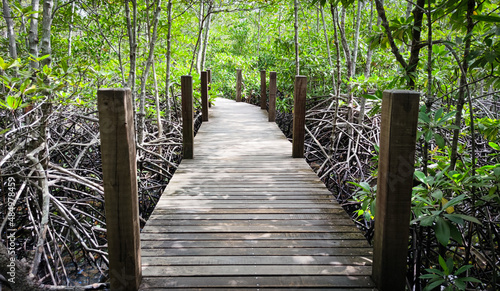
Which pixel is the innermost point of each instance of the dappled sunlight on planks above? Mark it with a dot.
(243, 214)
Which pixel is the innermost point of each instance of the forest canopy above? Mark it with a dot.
(56, 54)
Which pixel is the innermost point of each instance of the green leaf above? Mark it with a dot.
(487, 18)
(455, 233)
(446, 117)
(428, 135)
(455, 218)
(4, 131)
(463, 269)
(470, 279)
(494, 146)
(427, 220)
(421, 177)
(442, 230)
(455, 201)
(443, 265)
(363, 185)
(429, 276)
(439, 140)
(434, 284)
(438, 114)
(424, 117)
(464, 217)
(438, 194)
(373, 207)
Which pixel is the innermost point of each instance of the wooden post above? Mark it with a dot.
(395, 180)
(209, 72)
(204, 95)
(272, 97)
(187, 117)
(299, 116)
(238, 85)
(119, 167)
(263, 97)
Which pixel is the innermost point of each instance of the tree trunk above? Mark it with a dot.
(418, 15)
(70, 39)
(296, 38)
(334, 12)
(46, 47)
(33, 33)
(367, 71)
(327, 42)
(7, 15)
(369, 54)
(168, 60)
(350, 65)
(142, 100)
(356, 38)
(132, 40)
(206, 37)
(200, 49)
(462, 88)
(157, 103)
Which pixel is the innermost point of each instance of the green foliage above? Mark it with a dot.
(448, 277)
(367, 196)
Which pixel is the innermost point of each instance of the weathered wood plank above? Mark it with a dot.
(262, 282)
(116, 120)
(254, 236)
(256, 244)
(242, 223)
(168, 210)
(243, 214)
(247, 228)
(244, 270)
(256, 260)
(172, 252)
(252, 217)
(187, 117)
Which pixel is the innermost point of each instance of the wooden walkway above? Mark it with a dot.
(243, 214)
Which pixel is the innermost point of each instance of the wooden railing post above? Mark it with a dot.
(299, 116)
(394, 186)
(263, 97)
(238, 85)
(272, 96)
(209, 72)
(204, 95)
(187, 117)
(119, 168)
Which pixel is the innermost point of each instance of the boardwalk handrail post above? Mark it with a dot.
(209, 76)
(187, 117)
(204, 95)
(263, 97)
(299, 116)
(394, 186)
(119, 167)
(272, 96)
(238, 85)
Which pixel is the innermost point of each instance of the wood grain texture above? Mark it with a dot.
(244, 215)
(263, 89)
(395, 181)
(299, 116)
(239, 80)
(116, 125)
(273, 89)
(204, 95)
(187, 117)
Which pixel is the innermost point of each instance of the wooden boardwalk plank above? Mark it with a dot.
(243, 215)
